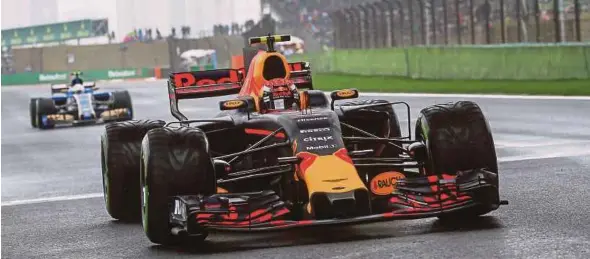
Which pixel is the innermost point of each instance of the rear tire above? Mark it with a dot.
(458, 137)
(120, 159)
(175, 161)
(45, 106)
(122, 100)
(33, 112)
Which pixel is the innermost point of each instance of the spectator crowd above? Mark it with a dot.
(312, 15)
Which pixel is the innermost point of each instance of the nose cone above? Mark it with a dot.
(333, 185)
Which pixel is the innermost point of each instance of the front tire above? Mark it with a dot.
(120, 159)
(175, 161)
(458, 137)
(44, 107)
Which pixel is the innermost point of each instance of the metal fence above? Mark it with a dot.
(393, 23)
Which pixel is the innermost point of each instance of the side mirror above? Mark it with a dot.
(222, 168)
(342, 95)
(90, 85)
(244, 103)
(241, 75)
(232, 104)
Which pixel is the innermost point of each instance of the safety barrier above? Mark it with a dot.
(396, 23)
(507, 62)
(90, 75)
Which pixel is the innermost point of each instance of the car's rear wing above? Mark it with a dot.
(63, 88)
(201, 84)
(59, 88)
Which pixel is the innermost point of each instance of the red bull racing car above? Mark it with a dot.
(282, 155)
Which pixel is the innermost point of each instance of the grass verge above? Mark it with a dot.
(329, 82)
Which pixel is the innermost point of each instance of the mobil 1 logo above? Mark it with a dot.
(320, 147)
(318, 139)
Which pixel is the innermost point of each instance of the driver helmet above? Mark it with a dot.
(75, 74)
(76, 79)
(280, 94)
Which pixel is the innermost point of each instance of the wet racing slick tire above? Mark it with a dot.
(44, 107)
(458, 137)
(33, 112)
(175, 161)
(122, 100)
(369, 119)
(120, 158)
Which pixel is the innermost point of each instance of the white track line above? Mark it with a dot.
(558, 154)
(538, 143)
(52, 199)
(482, 96)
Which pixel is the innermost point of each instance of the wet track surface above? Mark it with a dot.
(52, 204)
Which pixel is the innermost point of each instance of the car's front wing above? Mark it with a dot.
(262, 211)
(104, 116)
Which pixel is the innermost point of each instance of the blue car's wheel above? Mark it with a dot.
(122, 100)
(33, 112)
(45, 107)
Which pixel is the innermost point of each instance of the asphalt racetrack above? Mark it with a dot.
(52, 205)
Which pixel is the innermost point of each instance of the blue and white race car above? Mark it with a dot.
(79, 103)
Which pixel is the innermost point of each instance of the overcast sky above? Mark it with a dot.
(124, 15)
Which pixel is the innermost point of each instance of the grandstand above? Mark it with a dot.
(311, 15)
(443, 21)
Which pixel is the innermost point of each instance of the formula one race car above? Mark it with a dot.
(282, 155)
(79, 103)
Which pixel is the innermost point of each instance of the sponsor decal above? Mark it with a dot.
(233, 104)
(60, 117)
(205, 78)
(278, 82)
(321, 147)
(121, 73)
(312, 119)
(324, 138)
(314, 130)
(281, 89)
(282, 94)
(114, 113)
(345, 93)
(384, 183)
(53, 77)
